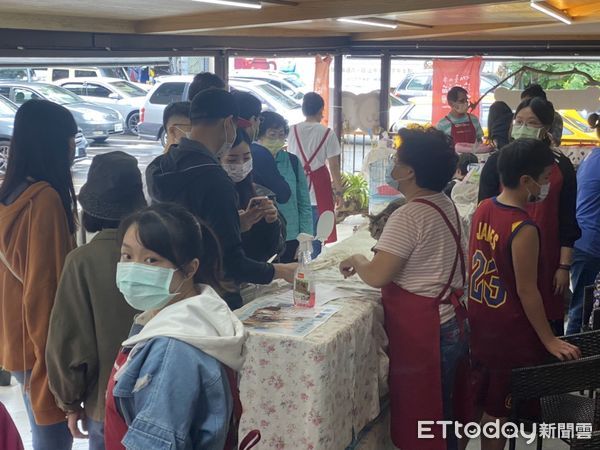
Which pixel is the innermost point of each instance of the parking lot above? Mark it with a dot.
(144, 151)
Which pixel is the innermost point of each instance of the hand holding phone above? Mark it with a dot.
(258, 202)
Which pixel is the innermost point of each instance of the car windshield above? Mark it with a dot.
(57, 94)
(13, 74)
(128, 89)
(294, 82)
(114, 72)
(7, 109)
(277, 96)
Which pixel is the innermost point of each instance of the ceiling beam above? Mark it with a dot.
(585, 10)
(306, 11)
(443, 31)
(62, 23)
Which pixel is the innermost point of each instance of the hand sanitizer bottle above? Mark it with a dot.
(304, 283)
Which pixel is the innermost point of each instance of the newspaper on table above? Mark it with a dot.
(277, 314)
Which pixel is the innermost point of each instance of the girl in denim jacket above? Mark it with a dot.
(170, 387)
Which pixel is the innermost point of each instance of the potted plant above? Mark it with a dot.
(355, 197)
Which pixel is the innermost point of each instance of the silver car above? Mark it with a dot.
(121, 95)
(97, 122)
(7, 118)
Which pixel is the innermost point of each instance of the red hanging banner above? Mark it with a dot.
(449, 73)
(321, 84)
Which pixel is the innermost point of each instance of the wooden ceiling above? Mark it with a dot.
(433, 19)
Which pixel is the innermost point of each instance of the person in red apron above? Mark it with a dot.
(464, 128)
(554, 211)
(420, 267)
(316, 145)
(172, 383)
(509, 327)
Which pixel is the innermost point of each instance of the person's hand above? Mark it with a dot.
(270, 212)
(562, 349)
(72, 422)
(285, 272)
(347, 267)
(249, 218)
(561, 282)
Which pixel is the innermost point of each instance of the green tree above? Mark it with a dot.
(551, 80)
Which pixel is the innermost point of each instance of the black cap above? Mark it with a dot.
(213, 104)
(113, 189)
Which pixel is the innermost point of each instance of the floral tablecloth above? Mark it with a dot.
(311, 393)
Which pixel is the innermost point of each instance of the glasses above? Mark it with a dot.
(393, 158)
(182, 126)
(276, 134)
(529, 124)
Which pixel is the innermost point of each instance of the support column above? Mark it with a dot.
(384, 91)
(338, 119)
(222, 66)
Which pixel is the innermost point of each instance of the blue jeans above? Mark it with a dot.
(316, 244)
(453, 347)
(584, 270)
(44, 437)
(96, 434)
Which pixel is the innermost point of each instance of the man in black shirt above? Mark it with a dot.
(190, 174)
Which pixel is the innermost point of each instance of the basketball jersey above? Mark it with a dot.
(501, 335)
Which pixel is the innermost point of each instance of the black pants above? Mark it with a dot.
(289, 254)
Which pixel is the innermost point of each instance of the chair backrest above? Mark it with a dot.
(587, 444)
(557, 378)
(588, 343)
(588, 305)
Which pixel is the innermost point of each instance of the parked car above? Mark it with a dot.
(421, 84)
(7, 118)
(287, 83)
(58, 73)
(171, 89)
(121, 95)
(97, 122)
(419, 111)
(22, 74)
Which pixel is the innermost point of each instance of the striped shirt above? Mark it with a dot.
(418, 234)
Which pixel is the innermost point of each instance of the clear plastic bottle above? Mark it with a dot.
(304, 283)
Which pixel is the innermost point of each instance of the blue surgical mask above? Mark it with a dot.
(389, 179)
(145, 287)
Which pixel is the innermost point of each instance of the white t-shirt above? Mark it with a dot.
(417, 233)
(311, 134)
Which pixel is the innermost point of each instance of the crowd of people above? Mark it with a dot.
(131, 340)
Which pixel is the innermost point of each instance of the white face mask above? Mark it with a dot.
(238, 172)
(544, 191)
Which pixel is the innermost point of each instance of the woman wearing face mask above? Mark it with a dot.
(259, 219)
(297, 211)
(170, 386)
(419, 265)
(459, 124)
(553, 210)
(37, 223)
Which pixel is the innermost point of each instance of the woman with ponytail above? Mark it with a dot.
(170, 387)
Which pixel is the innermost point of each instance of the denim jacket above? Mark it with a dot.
(172, 393)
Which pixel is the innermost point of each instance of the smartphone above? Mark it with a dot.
(257, 202)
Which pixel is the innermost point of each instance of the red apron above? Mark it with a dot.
(412, 323)
(546, 215)
(115, 426)
(463, 133)
(320, 179)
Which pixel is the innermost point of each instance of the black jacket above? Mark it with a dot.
(190, 175)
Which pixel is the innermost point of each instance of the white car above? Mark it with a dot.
(121, 95)
(289, 84)
(171, 89)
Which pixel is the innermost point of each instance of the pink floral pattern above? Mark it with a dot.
(311, 393)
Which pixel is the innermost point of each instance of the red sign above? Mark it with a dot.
(450, 73)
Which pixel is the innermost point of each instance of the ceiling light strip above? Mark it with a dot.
(370, 22)
(237, 3)
(551, 11)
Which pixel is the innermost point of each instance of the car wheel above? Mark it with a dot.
(100, 140)
(4, 146)
(132, 122)
(163, 138)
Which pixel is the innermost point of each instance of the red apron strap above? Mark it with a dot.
(302, 154)
(307, 162)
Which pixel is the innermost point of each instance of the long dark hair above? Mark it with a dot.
(176, 235)
(40, 149)
(245, 188)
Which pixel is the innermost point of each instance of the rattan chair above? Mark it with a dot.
(554, 384)
(588, 309)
